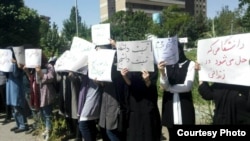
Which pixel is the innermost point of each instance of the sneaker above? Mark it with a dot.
(20, 130)
(45, 135)
(46, 138)
(14, 128)
(6, 121)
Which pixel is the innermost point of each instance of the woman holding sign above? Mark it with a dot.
(89, 106)
(113, 104)
(177, 81)
(45, 77)
(33, 96)
(232, 102)
(6, 108)
(144, 116)
(16, 97)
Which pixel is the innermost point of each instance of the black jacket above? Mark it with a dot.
(232, 102)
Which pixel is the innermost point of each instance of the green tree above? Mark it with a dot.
(70, 30)
(195, 29)
(174, 22)
(44, 28)
(245, 4)
(210, 33)
(52, 43)
(223, 22)
(129, 25)
(19, 24)
(226, 22)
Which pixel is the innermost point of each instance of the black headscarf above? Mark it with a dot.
(182, 56)
(173, 71)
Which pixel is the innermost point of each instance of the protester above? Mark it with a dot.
(15, 95)
(113, 102)
(144, 116)
(68, 98)
(6, 109)
(177, 81)
(2, 92)
(45, 77)
(33, 97)
(232, 102)
(89, 106)
(32, 92)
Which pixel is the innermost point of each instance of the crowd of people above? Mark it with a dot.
(124, 109)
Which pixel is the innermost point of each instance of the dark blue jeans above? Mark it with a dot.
(110, 135)
(113, 135)
(88, 130)
(46, 113)
(21, 120)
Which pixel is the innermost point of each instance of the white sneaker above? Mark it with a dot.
(45, 135)
(46, 138)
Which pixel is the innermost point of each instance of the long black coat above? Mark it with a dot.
(144, 116)
(232, 102)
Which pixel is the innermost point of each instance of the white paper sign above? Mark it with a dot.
(100, 64)
(135, 55)
(225, 59)
(5, 60)
(33, 58)
(166, 49)
(61, 63)
(79, 44)
(19, 54)
(101, 34)
(183, 40)
(77, 60)
(72, 61)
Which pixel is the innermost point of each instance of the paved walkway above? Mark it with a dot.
(7, 135)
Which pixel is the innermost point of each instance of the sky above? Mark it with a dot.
(59, 10)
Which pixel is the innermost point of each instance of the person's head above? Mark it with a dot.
(52, 60)
(182, 56)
